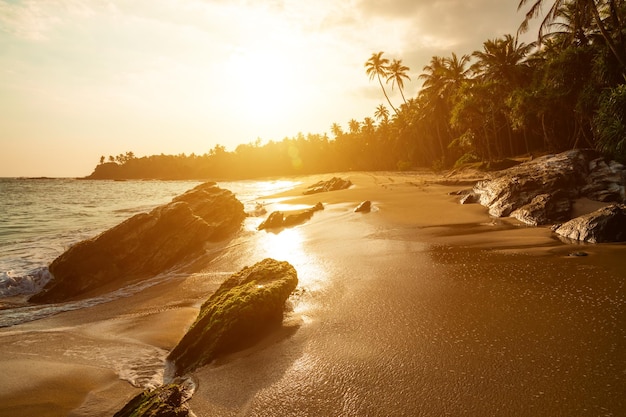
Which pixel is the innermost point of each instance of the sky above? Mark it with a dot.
(81, 79)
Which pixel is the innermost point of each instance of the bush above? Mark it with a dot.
(468, 158)
(609, 124)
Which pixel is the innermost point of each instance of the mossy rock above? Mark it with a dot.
(167, 400)
(243, 309)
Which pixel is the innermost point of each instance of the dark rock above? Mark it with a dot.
(333, 184)
(238, 314)
(578, 254)
(607, 224)
(274, 220)
(166, 401)
(279, 219)
(145, 244)
(606, 181)
(364, 207)
(544, 209)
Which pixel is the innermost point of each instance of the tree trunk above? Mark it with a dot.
(385, 93)
(546, 141)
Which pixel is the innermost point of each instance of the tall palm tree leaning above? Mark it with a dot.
(396, 72)
(378, 66)
(585, 6)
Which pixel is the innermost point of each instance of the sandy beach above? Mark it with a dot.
(422, 307)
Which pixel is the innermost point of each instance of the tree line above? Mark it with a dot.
(508, 98)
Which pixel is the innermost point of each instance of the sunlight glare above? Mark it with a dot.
(286, 245)
(263, 84)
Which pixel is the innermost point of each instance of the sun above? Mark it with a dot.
(263, 84)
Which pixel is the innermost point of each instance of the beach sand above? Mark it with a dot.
(420, 307)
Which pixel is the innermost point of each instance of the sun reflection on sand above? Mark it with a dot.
(291, 245)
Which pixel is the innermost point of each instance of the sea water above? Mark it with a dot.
(41, 218)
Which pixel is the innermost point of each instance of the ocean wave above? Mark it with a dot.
(31, 283)
(23, 314)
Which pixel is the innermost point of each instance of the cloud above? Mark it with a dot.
(33, 20)
(448, 23)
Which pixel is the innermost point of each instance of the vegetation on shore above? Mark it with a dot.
(567, 90)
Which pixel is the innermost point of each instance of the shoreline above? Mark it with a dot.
(339, 255)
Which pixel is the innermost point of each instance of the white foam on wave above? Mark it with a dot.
(24, 314)
(139, 364)
(31, 283)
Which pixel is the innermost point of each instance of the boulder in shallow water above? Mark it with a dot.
(279, 219)
(332, 184)
(364, 207)
(607, 224)
(238, 314)
(144, 245)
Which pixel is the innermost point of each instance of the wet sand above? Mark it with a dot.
(422, 307)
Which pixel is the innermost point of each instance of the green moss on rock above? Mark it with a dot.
(238, 314)
(168, 400)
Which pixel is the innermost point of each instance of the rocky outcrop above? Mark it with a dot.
(238, 314)
(332, 184)
(607, 224)
(545, 209)
(541, 191)
(145, 244)
(167, 400)
(514, 188)
(279, 219)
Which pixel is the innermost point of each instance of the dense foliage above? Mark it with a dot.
(508, 98)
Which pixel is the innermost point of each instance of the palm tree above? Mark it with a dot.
(336, 130)
(574, 25)
(502, 67)
(396, 74)
(502, 60)
(457, 70)
(432, 93)
(378, 66)
(382, 113)
(368, 125)
(443, 78)
(434, 77)
(585, 7)
(354, 126)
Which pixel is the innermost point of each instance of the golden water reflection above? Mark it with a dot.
(290, 245)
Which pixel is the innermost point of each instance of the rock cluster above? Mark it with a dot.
(238, 314)
(540, 191)
(332, 184)
(145, 244)
(279, 219)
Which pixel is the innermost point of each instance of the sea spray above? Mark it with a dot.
(29, 312)
(12, 285)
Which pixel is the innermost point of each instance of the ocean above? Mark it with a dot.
(40, 218)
